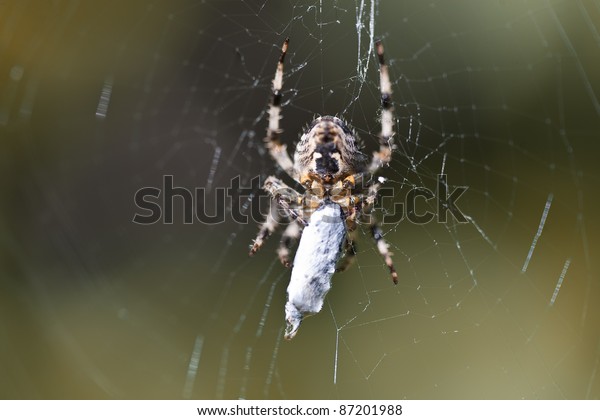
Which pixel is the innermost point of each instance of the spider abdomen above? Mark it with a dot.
(326, 158)
(330, 150)
(315, 262)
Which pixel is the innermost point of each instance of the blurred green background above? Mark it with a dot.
(101, 98)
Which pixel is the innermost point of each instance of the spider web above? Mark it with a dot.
(101, 100)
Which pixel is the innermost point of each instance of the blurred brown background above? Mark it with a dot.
(99, 99)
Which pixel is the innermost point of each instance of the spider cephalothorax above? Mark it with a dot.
(338, 190)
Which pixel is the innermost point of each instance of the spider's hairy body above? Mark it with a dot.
(327, 158)
(328, 152)
(333, 171)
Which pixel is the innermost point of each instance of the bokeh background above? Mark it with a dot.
(101, 98)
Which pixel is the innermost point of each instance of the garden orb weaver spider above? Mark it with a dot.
(339, 190)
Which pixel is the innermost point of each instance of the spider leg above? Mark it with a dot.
(386, 144)
(371, 196)
(285, 196)
(277, 150)
(282, 196)
(267, 228)
(349, 252)
(365, 203)
(290, 236)
(384, 248)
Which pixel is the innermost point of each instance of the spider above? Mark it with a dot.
(339, 191)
